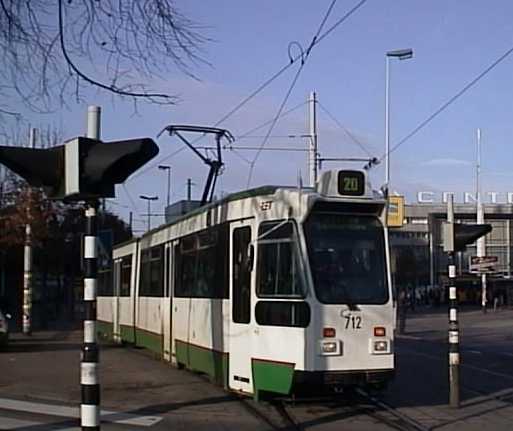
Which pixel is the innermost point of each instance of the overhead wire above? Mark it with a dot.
(244, 135)
(266, 83)
(254, 129)
(134, 206)
(449, 102)
(273, 123)
(169, 156)
(316, 39)
(348, 133)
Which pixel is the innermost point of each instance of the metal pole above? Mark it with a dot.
(149, 216)
(93, 122)
(312, 149)
(89, 372)
(481, 242)
(168, 186)
(508, 247)
(454, 355)
(387, 123)
(27, 278)
(189, 189)
(94, 114)
(431, 253)
(27, 261)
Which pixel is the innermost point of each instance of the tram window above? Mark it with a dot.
(241, 274)
(152, 269)
(347, 258)
(202, 264)
(105, 281)
(281, 313)
(125, 277)
(278, 261)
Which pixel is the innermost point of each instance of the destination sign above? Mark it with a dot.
(351, 183)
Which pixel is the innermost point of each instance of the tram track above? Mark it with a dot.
(390, 415)
(274, 414)
(294, 416)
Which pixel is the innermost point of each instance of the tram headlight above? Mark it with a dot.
(380, 347)
(330, 347)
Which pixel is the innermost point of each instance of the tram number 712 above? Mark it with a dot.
(353, 322)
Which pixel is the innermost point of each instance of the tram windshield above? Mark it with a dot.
(347, 258)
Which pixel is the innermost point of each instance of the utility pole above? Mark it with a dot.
(27, 261)
(149, 199)
(312, 152)
(168, 169)
(481, 242)
(89, 364)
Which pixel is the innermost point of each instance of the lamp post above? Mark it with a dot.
(168, 169)
(149, 199)
(401, 54)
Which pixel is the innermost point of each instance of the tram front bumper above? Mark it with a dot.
(343, 378)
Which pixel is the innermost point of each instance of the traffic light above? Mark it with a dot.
(82, 168)
(40, 168)
(456, 236)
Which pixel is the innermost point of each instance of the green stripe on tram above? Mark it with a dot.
(149, 340)
(204, 360)
(272, 376)
(127, 333)
(104, 330)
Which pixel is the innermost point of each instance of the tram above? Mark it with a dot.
(269, 290)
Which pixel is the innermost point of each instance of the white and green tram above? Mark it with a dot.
(272, 289)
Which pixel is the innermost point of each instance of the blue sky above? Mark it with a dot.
(453, 42)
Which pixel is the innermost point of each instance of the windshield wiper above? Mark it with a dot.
(352, 306)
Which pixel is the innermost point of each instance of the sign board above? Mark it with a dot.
(395, 211)
(482, 264)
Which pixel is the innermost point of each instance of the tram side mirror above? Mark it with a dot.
(251, 257)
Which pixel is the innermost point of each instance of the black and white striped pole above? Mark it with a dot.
(454, 339)
(89, 366)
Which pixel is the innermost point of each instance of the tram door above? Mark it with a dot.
(239, 367)
(116, 282)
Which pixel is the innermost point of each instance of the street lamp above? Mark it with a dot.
(401, 54)
(149, 199)
(168, 169)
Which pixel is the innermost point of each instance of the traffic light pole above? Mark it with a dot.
(27, 260)
(454, 338)
(89, 372)
(454, 342)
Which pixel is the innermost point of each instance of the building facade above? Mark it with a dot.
(419, 261)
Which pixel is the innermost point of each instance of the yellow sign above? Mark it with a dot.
(395, 211)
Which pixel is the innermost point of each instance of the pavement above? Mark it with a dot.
(40, 388)
(421, 389)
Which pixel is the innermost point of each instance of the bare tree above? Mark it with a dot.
(52, 49)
